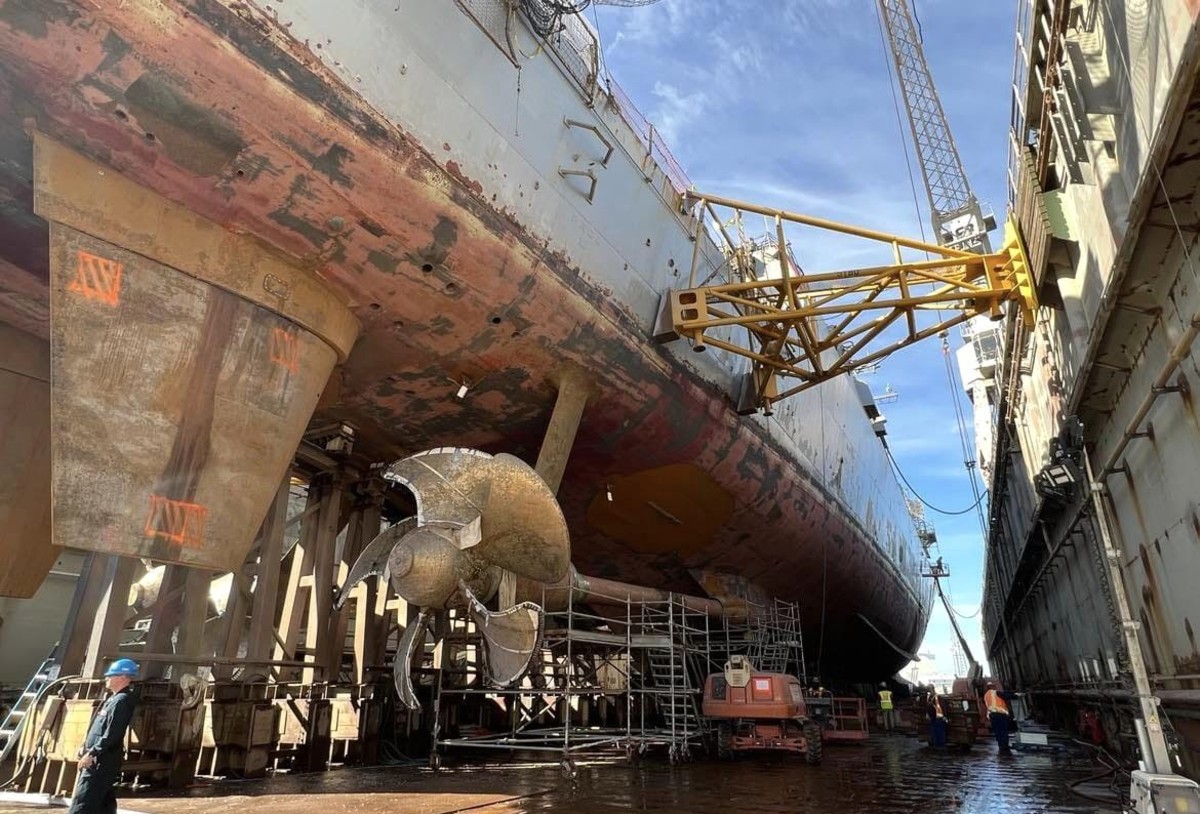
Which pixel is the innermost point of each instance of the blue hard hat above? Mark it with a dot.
(122, 667)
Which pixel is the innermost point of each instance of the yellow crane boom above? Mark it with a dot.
(801, 329)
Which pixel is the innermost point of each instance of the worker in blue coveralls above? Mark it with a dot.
(103, 749)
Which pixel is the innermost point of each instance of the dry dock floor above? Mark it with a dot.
(888, 775)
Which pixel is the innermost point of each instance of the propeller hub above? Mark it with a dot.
(426, 566)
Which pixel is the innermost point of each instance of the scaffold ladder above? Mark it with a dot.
(10, 730)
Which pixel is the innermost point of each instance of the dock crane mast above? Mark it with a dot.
(958, 219)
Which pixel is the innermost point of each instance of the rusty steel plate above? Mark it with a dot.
(176, 406)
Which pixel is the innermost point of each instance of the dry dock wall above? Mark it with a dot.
(1106, 123)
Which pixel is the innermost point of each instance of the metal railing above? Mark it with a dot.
(575, 47)
(657, 152)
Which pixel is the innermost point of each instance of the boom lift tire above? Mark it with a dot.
(812, 734)
(724, 741)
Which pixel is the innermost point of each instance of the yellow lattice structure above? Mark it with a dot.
(802, 329)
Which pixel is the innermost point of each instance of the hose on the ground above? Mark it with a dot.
(1117, 775)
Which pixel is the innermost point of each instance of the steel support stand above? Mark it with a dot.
(261, 639)
(89, 590)
(109, 621)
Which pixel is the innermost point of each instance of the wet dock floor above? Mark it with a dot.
(888, 775)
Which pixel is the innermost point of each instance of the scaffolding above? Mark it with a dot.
(613, 674)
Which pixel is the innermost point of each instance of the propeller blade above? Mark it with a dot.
(373, 561)
(511, 638)
(523, 527)
(410, 642)
(450, 484)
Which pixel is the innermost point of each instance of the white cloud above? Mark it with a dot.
(676, 110)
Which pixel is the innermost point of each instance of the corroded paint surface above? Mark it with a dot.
(25, 558)
(166, 442)
(219, 110)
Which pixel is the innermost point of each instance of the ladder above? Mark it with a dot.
(10, 730)
(674, 689)
(778, 646)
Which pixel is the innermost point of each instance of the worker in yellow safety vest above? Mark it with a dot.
(999, 715)
(886, 708)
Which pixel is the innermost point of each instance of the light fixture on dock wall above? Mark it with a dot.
(608, 492)
(463, 387)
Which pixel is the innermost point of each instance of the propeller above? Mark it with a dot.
(478, 516)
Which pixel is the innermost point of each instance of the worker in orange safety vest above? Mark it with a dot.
(999, 715)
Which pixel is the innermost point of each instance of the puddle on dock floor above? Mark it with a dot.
(895, 775)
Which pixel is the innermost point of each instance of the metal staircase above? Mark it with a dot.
(10, 730)
(777, 645)
(676, 670)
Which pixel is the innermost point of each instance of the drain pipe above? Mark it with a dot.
(1149, 727)
(1151, 740)
(1132, 431)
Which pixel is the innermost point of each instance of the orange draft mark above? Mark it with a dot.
(285, 349)
(97, 278)
(176, 521)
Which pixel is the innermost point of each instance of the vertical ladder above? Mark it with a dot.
(10, 730)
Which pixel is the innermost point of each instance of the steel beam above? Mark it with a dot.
(109, 621)
(260, 640)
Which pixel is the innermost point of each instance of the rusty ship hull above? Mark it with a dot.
(389, 148)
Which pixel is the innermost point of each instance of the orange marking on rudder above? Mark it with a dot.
(176, 521)
(97, 278)
(285, 349)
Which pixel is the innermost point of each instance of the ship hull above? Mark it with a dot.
(235, 115)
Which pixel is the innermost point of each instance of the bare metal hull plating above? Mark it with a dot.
(380, 143)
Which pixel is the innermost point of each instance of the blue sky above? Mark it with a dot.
(787, 103)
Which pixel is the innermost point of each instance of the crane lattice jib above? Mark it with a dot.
(945, 179)
(799, 328)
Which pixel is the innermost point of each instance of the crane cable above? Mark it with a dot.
(960, 418)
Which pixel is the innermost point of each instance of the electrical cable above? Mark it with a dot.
(964, 441)
(1118, 783)
(917, 495)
